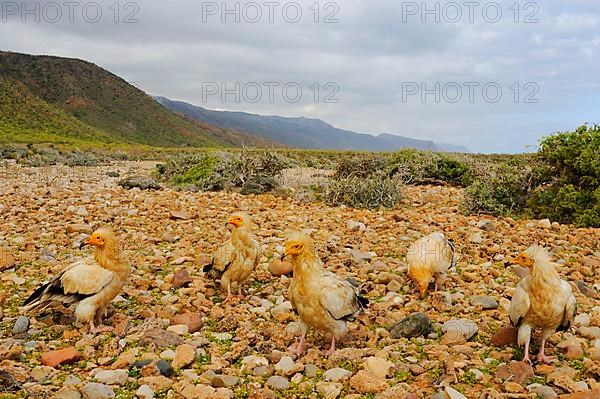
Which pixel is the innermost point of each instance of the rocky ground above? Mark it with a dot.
(173, 337)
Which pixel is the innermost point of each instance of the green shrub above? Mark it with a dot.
(250, 172)
(569, 191)
(373, 192)
(423, 167)
(363, 165)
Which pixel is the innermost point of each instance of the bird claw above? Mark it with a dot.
(546, 359)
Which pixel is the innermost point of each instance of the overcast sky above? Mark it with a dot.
(432, 72)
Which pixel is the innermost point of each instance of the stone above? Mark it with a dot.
(201, 391)
(329, 390)
(21, 325)
(161, 338)
(141, 182)
(179, 329)
(486, 225)
(60, 356)
(156, 382)
(181, 278)
(279, 268)
(458, 331)
(505, 336)
(79, 228)
(191, 319)
(365, 382)
(144, 392)
(42, 373)
(518, 372)
(572, 349)
(590, 394)
(586, 290)
(359, 256)
(311, 371)
(179, 215)
(285, 365)
(224, 381)
(476, 238)
(336, 375)
(413, 326)
(165, 368)
(278, 383)
(542, 390)
(453, 393)
(486, 302)
(93, 390)
(545, 224)
(6, 259)
(184, 355)
(355, 226)
(112, 377)
(68, 393)
(251, 362)
(378, 367)
(589, 332)
(512, 387)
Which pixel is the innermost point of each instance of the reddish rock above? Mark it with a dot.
(571, 349)
(505, 336)
(60, 356)
(519, 372)
(595, 394)
(191, 319)
(6, 259)
(181, 278)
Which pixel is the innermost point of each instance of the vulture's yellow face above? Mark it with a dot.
(236, 221)
(95, 240)
(524, 260)
(293, 248)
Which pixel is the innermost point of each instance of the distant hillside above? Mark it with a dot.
(26, 118)
(302, 132)
(88, 102)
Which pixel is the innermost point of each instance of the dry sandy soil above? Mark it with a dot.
(240, 349)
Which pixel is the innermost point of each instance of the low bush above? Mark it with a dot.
(250, 172)
(423, 167)
(372, 192)
(569, 189)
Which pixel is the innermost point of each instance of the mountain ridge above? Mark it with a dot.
(302, 132)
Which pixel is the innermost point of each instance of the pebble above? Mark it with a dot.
(486, 302)
(165, 368)
(415, 325)
(278, 383)
(337, 374)
(454, 394)
(179, 329)
(21, 325)
(93, 390)
(542, 390)
(60, 356)
(192, 320)
(112, 377)
(285, 365)
(184, 355)
(329, 390)
(144, 392)
(458, 331)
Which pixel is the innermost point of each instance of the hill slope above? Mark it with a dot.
(107, 103)
(300, 132)
(28, 119)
